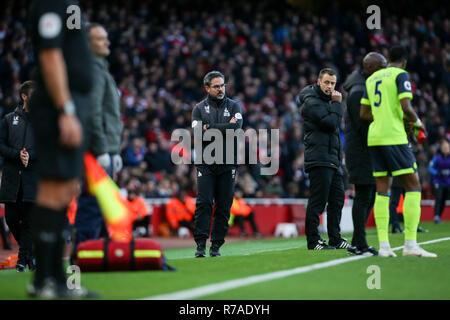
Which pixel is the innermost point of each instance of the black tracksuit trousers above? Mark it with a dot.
(362, 205)
(326, 186)
(215, 186)
(18, 218)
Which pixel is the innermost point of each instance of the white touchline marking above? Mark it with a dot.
(253, 252)
(233, 284)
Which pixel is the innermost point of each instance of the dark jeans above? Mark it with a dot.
(215, 186)
(362, 205)
(442, 194)
(18, 217)
(326, 186)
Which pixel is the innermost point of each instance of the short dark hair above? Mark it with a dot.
(398, 54)
(329, 71)
(211, 75)
(26, 87)
(93, 25)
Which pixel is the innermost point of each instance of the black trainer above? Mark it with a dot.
(201, 251)
(214, 251)
(32, 264)
(420, 229)
(354, 251)
(20, 267)
(371, 250)
(343, 244)
(397, 229)
(321, 245)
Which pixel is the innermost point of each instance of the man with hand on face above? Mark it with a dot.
(106, 131)
(215, 180)
(322, 114)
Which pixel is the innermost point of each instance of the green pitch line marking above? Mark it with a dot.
(233, 284)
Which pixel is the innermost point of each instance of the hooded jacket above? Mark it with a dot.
(357, 159)
(15, 134)
(322, 118)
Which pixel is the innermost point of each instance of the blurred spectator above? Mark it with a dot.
(440, 171)
(241, 212)
(140, 211)
(180, 211)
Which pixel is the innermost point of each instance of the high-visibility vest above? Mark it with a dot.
(176, 211)
(239, 207)
(72, 210)
(138, 207)
(189, 202)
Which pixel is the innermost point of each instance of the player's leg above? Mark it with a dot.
(411, 205)
(381, 214)
(49, 221)
(411, 216)
(380, 156)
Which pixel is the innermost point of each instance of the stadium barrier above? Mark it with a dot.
(269, 212)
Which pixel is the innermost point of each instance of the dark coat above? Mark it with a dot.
(322, 118)
(357, 158)
(15, 134)
(217, 114)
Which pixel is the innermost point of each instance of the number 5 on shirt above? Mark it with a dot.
(377, 93)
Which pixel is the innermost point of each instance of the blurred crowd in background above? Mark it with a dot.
(268, 51)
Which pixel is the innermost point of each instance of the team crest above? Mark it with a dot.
(226, 113)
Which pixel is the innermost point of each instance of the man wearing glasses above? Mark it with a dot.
(215, 180)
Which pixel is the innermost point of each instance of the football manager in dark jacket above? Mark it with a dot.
(322, 114)
(215, 181)
(19, 179)
(357, 158)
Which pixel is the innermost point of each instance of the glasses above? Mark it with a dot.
(218, 86)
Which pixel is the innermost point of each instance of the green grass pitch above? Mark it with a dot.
(399, 278)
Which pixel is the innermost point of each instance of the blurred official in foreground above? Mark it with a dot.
(106, 127)
(60, 108)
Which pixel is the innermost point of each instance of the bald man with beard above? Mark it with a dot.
(357, 157)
